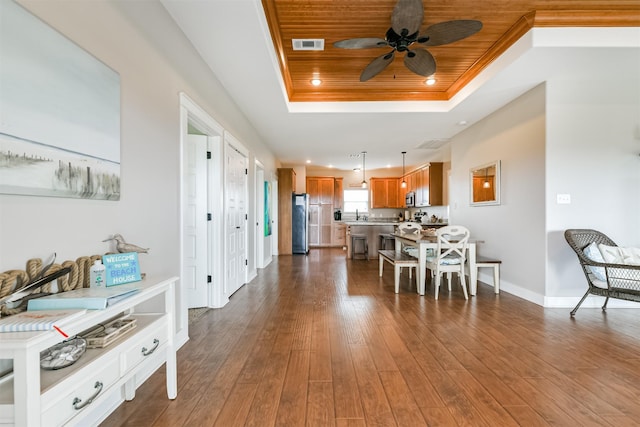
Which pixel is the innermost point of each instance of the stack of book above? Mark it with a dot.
(45, 320)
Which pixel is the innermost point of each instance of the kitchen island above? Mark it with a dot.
(371, 229)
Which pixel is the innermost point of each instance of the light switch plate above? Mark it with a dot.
(563, 199)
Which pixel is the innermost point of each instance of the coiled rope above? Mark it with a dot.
(12, 280)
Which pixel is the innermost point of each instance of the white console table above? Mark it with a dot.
(36, 397)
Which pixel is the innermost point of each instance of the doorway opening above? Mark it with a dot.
(201, 213)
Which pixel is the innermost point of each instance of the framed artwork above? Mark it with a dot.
(267, 208)
(485, 184)
(60, 110)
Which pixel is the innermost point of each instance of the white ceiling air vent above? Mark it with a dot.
(432, 144)
(308, 44)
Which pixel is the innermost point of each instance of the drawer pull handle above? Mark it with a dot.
(156, 343)
(77, 402)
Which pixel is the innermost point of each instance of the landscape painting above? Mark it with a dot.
(59, 113)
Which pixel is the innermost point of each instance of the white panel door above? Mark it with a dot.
(194, 275)
(236, 211)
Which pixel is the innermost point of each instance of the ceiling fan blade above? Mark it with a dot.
(361, 43)
(407, 15)
(449, 32)
(420, 61)
(376, 66)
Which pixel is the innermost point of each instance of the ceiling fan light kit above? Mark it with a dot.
(406, 20)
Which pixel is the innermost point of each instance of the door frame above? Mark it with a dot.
(192, 113)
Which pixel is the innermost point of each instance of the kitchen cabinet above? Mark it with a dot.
(385, 193)
(286, 186)
(339, 234)
(428, 185)
(338, 194)
(320, 190)
(321, 198)
(84, 393)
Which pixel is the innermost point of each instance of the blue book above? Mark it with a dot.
(89, 298)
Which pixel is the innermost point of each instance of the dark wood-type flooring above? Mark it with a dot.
(318, 340)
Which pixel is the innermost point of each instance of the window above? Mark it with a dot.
(356, 200)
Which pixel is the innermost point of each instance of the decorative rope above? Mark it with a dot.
(12, 279)
(77, 278)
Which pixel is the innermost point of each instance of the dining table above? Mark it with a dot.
(424, 243)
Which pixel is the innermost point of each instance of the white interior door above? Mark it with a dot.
(236, 219)
(260, 217)
(195, 267)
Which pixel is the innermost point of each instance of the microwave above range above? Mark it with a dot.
(410, 199)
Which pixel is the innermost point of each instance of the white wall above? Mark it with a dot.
(593, 147)
(577, 136)
(155, 62)
(513, 231)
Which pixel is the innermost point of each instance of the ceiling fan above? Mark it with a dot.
(406, 19)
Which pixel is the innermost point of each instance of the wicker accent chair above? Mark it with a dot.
(622, 281)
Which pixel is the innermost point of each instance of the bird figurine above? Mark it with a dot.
(123, 247)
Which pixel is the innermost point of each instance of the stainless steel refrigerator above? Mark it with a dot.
(300, 223)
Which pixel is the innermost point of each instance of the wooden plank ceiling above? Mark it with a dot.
(504, 22)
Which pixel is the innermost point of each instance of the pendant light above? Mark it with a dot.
(403, 184)
(364, 181)
(486, 183)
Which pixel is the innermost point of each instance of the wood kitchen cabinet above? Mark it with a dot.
(320, 190)
(286, 187)
(338, 194)
(428, 184)
(385, 193)
(339, 234)
(321, 199)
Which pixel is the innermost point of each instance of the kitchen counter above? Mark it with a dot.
(394, 223)
(370, 223)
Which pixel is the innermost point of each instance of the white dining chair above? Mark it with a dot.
(410, 227)
(450, 256)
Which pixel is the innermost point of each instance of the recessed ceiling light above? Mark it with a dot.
(316, 82)
(462, 123)
(308, 161)
(430, 81)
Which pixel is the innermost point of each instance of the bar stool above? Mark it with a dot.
(386, 238)
(362, 240)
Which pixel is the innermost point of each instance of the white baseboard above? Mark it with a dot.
(592, 301)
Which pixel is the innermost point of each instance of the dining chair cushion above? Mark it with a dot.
(410, 250)
(448, 260)
(593, 253)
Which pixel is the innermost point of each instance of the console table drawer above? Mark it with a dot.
(150, 343)
(81, 396)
